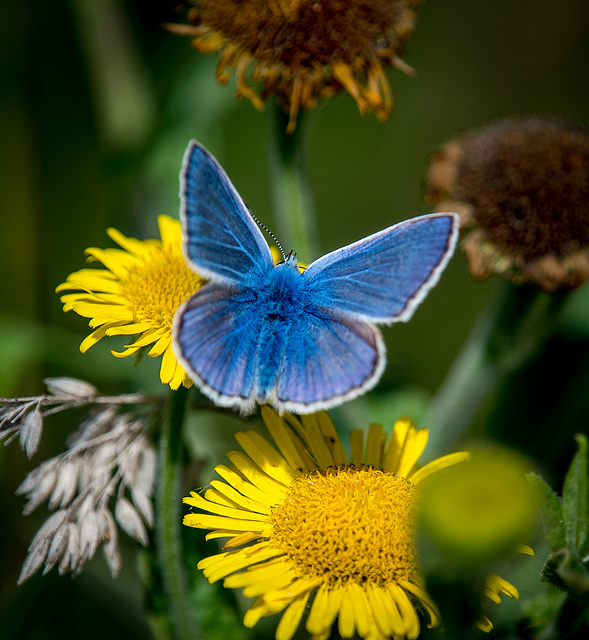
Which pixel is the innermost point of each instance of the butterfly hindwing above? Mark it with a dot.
(220, 238)
(330, 359)
(215, 339)
(385, 276)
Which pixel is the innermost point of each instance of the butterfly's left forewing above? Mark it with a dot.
(385, 276)
(220, 238)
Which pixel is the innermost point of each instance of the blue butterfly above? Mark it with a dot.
(263, 333)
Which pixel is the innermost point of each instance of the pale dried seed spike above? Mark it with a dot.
(69, 560)
(41, 493)
(49, 527)
(147, 469)
(110, 547)
(30, 432)
(113, 558)
(144, 505)
(96, 423)
(103, 456)
(57, 548)
(129, 519)
(39, 546)
(88, 535)
(65, 487)
(29, 484)
(70, 387)
(32, 563)
(108, 526)
(84, 471)
(128, 458)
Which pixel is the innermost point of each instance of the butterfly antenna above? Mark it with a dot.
(265, 228)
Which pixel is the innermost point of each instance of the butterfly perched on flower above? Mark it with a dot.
(262, 333)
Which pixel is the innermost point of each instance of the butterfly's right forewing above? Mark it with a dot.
(384, 277)
(220, 238)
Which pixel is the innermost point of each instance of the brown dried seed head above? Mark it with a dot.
(522, 191)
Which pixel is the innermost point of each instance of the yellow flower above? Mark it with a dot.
(304, 50)
(521, 188)
(306, 524)
(136, 294)
(481, 510)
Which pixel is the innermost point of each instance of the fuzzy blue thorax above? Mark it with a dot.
(281, 294)
(280, 299)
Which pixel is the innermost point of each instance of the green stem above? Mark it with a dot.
(293, 202)
(510, 332)
(168, 521)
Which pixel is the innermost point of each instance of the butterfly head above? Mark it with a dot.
(291, 260)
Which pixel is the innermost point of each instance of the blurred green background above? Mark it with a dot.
(97, 104)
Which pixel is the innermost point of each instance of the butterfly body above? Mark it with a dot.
(262, 333)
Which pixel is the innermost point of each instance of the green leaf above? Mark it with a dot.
(551, 511)
(575, 500)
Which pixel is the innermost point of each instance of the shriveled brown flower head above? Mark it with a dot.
(304, 50)
(521, 188)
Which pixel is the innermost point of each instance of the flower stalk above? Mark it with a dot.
(508, 333)
(168, 504)
(293, 202)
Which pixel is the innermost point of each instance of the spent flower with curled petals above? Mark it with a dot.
(521, 188)
(304, 50)
(310, 530)
(137, 294)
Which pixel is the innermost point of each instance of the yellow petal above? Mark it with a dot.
(256, 476)
(245, 487)
(261, 608)
(237, 560)
(375, 445)
(289, 444)
(266, 457)
(316, 441)
(240, 499)
(241, 514)
(291, 618)
(414, 446)
(324, 610)
(93, 338)
(426, 601)
(170, 230)
(409, 617)
(385, 613)
(130, 330)
(278, 582)
(434, 466)
(361, 609)
(168, 367)
(345, 621)
(163, 342)
(137, 248)
(269, 571)
(332, 438)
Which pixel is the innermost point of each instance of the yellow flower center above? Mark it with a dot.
(158, 285)
(347, 524)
